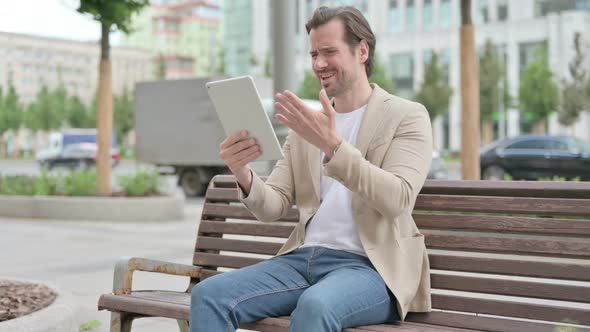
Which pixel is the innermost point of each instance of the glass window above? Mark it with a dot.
(445, 13)
(394, 16)
(402, 67)
(528, 144)
(557, 145)
(583, 5)
(427, 17)
(410, 15)
(482, 15)
(502, 10)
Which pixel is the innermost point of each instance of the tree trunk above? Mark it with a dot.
(543, 127)
(488, 132)
(470, 169)
(104, 117)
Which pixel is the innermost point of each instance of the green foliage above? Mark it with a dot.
(310, 88)
(560, 179)
(381, 78)
(77, 115)
(47, 185)
(268, 66)
(93, 324)
(490, 74)
(141, 184)
(161, 68)
(42, 114)
(435, 92)
(80, 183)
(113, 13)
(538, 94)
(574, 95)
(124, 114)
(77, 183)
(10, 111)
(17, 185)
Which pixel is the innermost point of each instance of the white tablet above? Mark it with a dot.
(239, 107)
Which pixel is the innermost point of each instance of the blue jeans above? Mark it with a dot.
(322, 289)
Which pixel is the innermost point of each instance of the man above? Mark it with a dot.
(354, 170)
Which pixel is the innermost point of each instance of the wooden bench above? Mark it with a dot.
(505, 256)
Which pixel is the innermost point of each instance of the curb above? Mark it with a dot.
(161, 208)
(61, 315)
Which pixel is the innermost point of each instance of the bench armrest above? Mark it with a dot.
(123, 276)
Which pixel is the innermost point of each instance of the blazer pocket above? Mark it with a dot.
(412, 244)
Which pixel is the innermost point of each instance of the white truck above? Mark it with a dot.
(178, 131)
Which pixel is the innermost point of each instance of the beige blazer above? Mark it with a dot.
(385, 171)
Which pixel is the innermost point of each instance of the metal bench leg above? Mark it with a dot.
(182, 325)
(121, 322)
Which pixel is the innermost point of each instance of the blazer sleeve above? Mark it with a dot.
(392, 188)
(272, 200)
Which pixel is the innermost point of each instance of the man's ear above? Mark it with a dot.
(363, 51)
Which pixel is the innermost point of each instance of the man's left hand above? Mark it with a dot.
(317, 128)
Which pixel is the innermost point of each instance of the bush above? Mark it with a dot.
(22, 185)
(77, 183)
(143, 183)
(80, 183)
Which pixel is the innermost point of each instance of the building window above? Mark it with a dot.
(482, 15)
(394, 16)
(402, 67)
(427, 17)
(544, 7)
(445, 13)
(528, 52)
(410, 15)
(502, 10)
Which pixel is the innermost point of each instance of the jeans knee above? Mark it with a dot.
(205, 293)
(313, 313)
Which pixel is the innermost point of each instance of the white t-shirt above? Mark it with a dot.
(333, 224)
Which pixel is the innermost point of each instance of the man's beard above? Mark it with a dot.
(341, 84)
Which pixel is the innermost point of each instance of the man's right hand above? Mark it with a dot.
(237, 151)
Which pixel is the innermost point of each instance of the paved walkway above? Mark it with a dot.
(79, 256)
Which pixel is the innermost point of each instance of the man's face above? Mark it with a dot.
(332, 60)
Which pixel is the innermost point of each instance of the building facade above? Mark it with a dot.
(409, 31)
(28, 62)
(184, 37)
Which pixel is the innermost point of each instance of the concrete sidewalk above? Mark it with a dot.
(78, 256)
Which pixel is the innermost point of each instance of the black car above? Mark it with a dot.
(531, 157)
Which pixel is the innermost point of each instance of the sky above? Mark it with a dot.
(49, 18)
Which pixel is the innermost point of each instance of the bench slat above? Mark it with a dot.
(511, 309)
(547, 189)
(511, 287)
(240, 212)
(276, 324)
(499, 266)
(482, 322)
(508, 245)
(238, 228)
(505, 266)
(504, 224)
(253, 247)
(433, 241)
(484, 204)
(490, 204)
(445, 281)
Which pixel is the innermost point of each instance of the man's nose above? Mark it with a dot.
(320, 62)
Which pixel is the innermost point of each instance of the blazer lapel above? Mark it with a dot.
(371, 118)
(313, 160)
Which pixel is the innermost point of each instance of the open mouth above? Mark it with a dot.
(326, 76)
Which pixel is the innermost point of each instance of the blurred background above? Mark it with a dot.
(533, 63)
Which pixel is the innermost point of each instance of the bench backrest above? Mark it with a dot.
(496, 248)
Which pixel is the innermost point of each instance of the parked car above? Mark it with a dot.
(438, 169)
(77, 156)
(530, 157)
